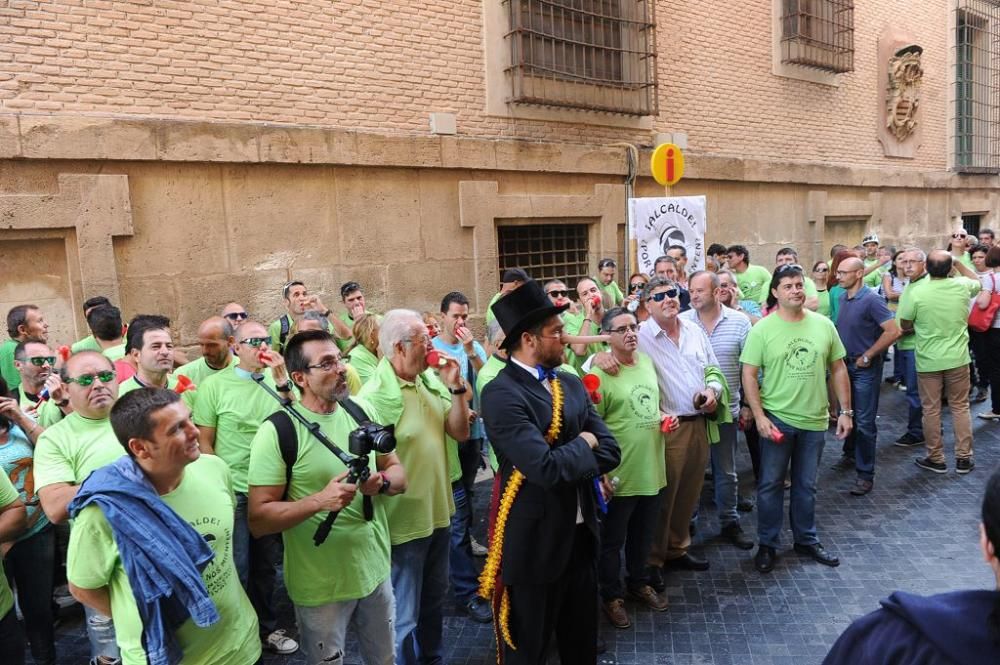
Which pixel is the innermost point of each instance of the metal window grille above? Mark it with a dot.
(818, 34)
(546, 251)
(977, 86)
(597, 55)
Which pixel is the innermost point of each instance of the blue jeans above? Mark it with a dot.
(101, 633)
(804, 449)
(865, 386)
(724, 477)
(256, 559)
(323, 629)
(420, 582)
(915, 413)
(462, 570)
(30, 565)
(897, 367)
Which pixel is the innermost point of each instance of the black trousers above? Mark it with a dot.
(630, 522)
(11, 640)
(566, 607)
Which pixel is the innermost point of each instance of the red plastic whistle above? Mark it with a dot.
(184, 384)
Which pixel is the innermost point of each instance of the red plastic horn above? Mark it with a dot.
(434, 359)
(64, 352)
(591, 382)
(777, 435)
(183, 384)
(596, 301)
(263, 356)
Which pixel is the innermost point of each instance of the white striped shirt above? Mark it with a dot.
(727, 339)
(680, 368)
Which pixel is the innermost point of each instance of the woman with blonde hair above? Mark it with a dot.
(363, 355)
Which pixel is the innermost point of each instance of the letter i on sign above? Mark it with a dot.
(670, 165)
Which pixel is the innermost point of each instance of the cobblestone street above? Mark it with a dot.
(916, 531)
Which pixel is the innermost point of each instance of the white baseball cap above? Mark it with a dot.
(871, 237)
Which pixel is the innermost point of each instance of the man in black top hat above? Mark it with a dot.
(546, 537)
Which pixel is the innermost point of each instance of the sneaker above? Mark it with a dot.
(615, 609)
(62, 597)
(988, 415)
(649, 598)
(980, 396)
(892, 380)
(908, 441)
(277, 642)
(479, 610)
(926, 463)
(901, 387)
(745, 504)
(964, 464)
(477, 549)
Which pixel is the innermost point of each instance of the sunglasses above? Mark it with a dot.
(659, 297)
(556, 293)
(237, 316)
(624, 329)
(256, 341)
(959, 235)
(638, 286)
(788, 267)
(84, 380)
(822, 270)
(39, 361)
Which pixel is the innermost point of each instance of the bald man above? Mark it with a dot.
(235, 313)
(867, 329)
(216, 339)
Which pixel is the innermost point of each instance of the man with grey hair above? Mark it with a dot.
(425, 405)
(727, 332)
(914, 262)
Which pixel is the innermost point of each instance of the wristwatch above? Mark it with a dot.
(459, 391)
(285, 387)
(847, 412)
(385, 485)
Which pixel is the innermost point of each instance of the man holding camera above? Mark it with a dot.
(423, 409)
(346, 577)
(228, 413)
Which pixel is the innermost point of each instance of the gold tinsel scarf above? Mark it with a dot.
(488, 580)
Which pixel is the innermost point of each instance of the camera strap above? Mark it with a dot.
(355, 411)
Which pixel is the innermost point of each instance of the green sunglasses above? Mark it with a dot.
(84, 380)
(256, 341)
(38, 361)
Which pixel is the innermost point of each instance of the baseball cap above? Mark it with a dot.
(514, 275)
(871, 237)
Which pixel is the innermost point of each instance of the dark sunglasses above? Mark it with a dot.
(556, 293)
(638, 286)
(237, 316)
(39, 361)
(84, 380)
(959, 235)
(256, 341)
(658, 297)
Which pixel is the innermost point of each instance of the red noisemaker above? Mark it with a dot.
(776, 435)
(592, 383)
(668, 424)
(595, 301)
(263, 356)
(435, 359)
(64, 352)
(184, 384)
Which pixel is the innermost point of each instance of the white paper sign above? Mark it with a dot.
(658, 223)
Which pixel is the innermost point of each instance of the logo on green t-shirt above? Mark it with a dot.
(643, 403)
(801, 357)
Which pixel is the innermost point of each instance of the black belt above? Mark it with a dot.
(690, 419)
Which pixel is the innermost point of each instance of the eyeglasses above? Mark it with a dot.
(327, 365)
(237, 316)
(256, 341)
(422, 340)
(39, 361)
(621, 330)
(556, 293)
(84, 380)
(822, 270)
(669, 293)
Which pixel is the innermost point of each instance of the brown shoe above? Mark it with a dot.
(649, 598)
(615, 609)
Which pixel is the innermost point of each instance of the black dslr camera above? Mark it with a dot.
(370, 437)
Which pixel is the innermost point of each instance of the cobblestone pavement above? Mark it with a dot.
(916, 531)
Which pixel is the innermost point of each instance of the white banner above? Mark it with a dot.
(658, 223)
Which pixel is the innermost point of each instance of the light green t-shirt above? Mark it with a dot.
(794, 358)
(363, 361)
(613, 291)
(205, 500)
(7, 367)
(874, 278)
(939, 309)
(198, 370)
(116, 352)
(421, 446)
(573, 326)
(907, 342)
(824, 303)
(132, 383)
(274, 330)
(69, 450)
(490, 316)
(88, 343)
(8, 495)
(355, 557)
(48, 413)
(235, 406)
(630, 407)
(754, 283)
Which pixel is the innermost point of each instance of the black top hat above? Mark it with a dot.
(522, 308)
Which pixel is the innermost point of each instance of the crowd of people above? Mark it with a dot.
(341, 450)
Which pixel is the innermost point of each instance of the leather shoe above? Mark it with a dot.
(615, 609)
(735, 534)
(818, 554)
(862, 487)
(764, 560)
(655, 577)
(649, 598)
(479, 610)
(686, 561)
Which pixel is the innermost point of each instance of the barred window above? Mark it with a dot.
(546, 251)
(598, 55)
(977, 86)
(818, 34)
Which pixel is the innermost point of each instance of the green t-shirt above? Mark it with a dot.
(116, 352)
(874, 278)
(7, 367)
(205, 500)
(362, 360)
(48, 413)
(824, 303)
(88, 343)
(489, 309)
(274, 330)
(132, 383)
(907, 342)
(235, 406)
(613, 291)
(573, 326)
(754, 283)
(630, 407)
(794, 358)
(939, 309)
(69, 450)
(355, 557)
(198, 370)
(8, 495)
(422, 448)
